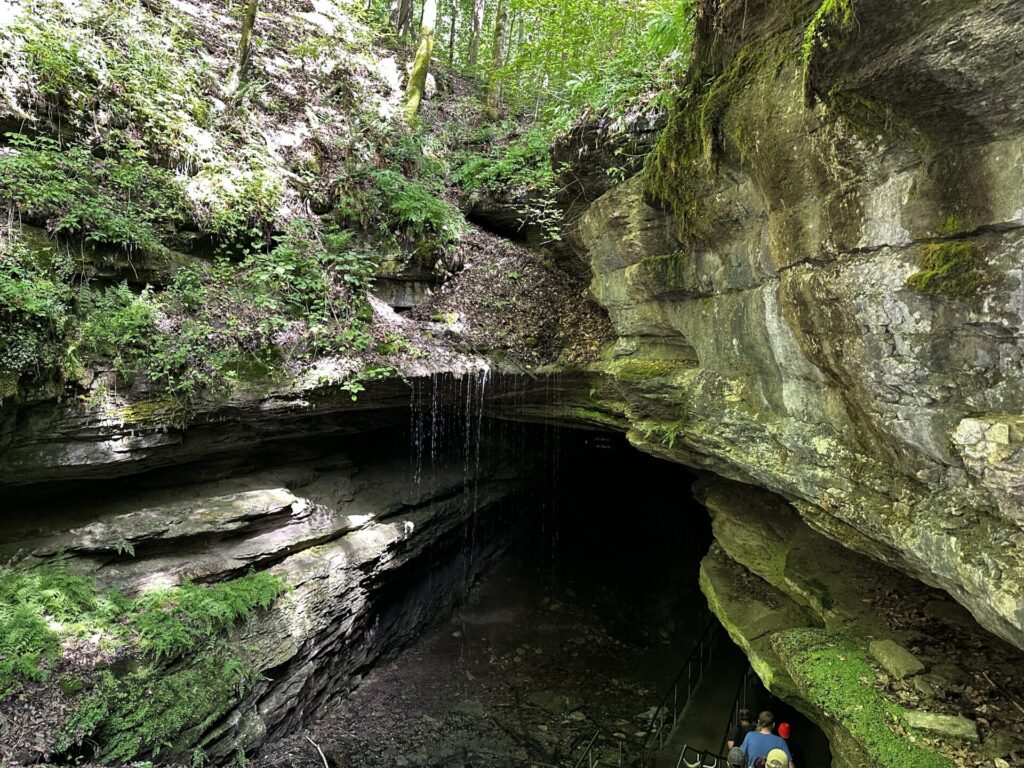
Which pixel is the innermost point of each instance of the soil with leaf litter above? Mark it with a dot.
(508, 302)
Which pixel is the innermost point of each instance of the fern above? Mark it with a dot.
(175, 621)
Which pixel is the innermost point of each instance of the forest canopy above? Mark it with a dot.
(555, 59)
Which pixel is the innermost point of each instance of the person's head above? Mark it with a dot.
(746, 716)
(765, 720)
(784, 730)
(777, 759)
(736, 758)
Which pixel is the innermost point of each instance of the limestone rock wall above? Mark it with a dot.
(838, 316)
(369, 556)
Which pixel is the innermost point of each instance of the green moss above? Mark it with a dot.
(680, 171)
(597, 417)
(630, 370)
(952, 270)
(832, 16)
(953, 224)
(835, 676)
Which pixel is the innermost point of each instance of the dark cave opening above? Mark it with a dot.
(545, 600)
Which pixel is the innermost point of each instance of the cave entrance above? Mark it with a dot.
(580, 645)
(469, 585)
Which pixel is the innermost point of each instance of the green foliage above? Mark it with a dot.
(413, 208)
(31, 602)
(173, 622)
(356, 383)
(522, 164)
(143, 70)
(34, 313)
(152, 708)
(838, 679)
(666, 434)
(594, 55)
(237, 202)
(38, 605)
(117, 199)
(952, 270)
(521, 168)
(311, 275)
(120, 326)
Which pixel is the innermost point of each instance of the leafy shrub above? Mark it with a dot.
(237, 203)
(520, 169)
(34, 314)
(391, 204)
(523, 164)
(311, 275)
(411, 206)
(119, 326)
(118, 199)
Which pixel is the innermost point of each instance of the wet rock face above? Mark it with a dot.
(847, 328)
(369, 558)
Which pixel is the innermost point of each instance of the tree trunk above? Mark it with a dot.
(493, 98)
(451, 35)
(238, 76)
(401, 16)
(475, 32)
(421, 65)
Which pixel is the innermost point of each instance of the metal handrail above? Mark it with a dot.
(656, 729)
(592, 761)
(734, 712)
(704, 755)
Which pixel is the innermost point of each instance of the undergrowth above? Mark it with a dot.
(521, 169)
(134, 157)
(115, 199)
(162, 696)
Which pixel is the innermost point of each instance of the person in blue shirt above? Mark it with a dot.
(762, 741)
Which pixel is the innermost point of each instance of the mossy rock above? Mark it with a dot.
(633, 371)
(833, 672)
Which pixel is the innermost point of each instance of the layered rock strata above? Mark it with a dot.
(368, 557)
(816, 286)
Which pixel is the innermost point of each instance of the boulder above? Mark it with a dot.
(895, 659)
(944, 726)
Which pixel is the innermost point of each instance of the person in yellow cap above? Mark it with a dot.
(777, 759)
